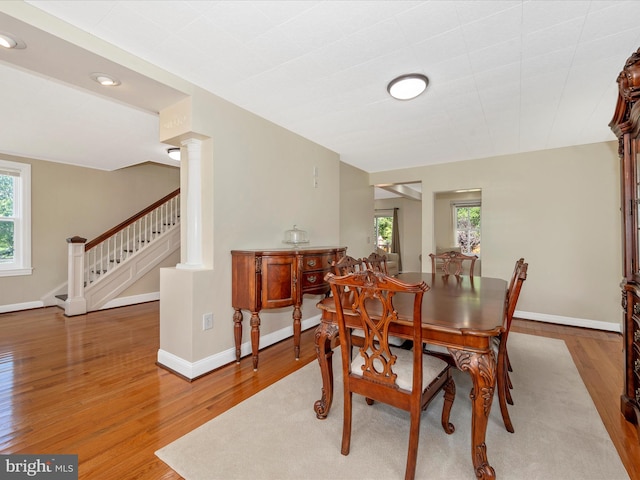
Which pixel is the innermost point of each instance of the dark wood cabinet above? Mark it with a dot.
(264, 279)
(626, 126)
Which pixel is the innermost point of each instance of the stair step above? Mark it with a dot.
(62, 297)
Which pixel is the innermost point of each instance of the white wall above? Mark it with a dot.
(557, 208)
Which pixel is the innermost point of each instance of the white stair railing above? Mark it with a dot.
(111, 249)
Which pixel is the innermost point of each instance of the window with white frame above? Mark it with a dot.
(383, 231)
(15, 218)
(466, 224)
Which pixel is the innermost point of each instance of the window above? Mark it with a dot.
(15, 218)
(383, 232)
(466, 220)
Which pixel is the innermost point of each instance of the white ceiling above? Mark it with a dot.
(505, 76)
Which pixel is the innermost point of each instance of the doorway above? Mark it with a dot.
(457, 222)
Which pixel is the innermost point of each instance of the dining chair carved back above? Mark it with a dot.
(451, 263)
(346, 265)
(404, 379)
(376, 262)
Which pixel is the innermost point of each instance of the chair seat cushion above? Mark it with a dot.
(432, 367)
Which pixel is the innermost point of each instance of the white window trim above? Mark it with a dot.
(22, 226)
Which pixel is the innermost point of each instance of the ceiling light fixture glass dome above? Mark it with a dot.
(174, 153)
(406, 87)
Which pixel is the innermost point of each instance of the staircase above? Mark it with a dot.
(104, 267)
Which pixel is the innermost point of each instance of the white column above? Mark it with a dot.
(193, 208)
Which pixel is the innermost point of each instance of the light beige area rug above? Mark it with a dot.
(275, 434)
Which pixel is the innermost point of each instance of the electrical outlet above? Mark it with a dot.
(207, 321)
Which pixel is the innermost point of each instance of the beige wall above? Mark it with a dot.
(66, 201)
(257, 182)
(356, 211)
(557, 208)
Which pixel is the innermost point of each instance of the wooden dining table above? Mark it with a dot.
(461, 313)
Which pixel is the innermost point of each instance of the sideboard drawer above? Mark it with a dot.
(312, 280)
(317, 262)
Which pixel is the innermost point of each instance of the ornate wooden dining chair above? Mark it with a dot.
(451, 263)
(503, 381)
(376, 262)
(404, 379)
(512, 282)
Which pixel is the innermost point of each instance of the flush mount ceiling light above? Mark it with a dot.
(406, 87)
(174, 153)
(105, 80)
(10, 41)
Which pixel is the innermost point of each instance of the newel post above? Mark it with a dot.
(75, 304)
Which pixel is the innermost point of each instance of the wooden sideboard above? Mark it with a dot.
(276, 278)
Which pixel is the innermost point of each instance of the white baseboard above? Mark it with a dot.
(131, 300)
(116, 302)
(570, 321)
(21, 306)
(193, 370)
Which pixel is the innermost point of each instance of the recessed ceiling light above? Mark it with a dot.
(10, 41)
(174, 153)
(105, 80)
(406, 87)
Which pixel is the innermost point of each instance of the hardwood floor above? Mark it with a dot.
(88, 385)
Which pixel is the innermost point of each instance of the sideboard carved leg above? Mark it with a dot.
(255, 338)
(325, 333)
(482, 369)
(297, 327)
(237, 331)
